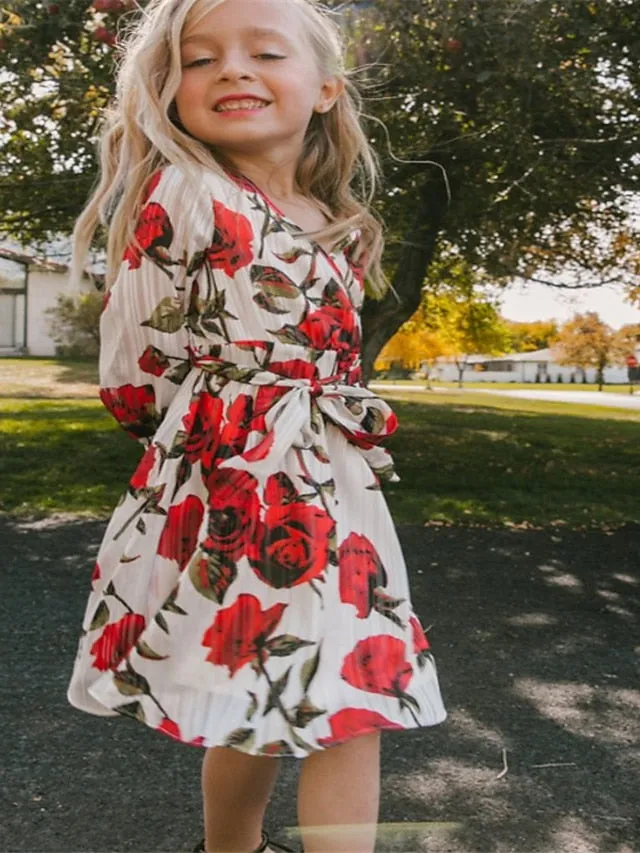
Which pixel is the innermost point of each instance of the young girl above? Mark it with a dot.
(250, 595)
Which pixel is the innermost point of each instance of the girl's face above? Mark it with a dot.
(250, 80)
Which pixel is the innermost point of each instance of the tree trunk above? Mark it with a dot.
(381, 319)
(461, 368)
(600, 379)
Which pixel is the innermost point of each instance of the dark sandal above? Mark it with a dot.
(266, 842)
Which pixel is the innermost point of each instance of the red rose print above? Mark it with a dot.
(239, 632)
(168, 727)
(292, 545)
(295, 368)
(351, 722)
(279, 489)
(234, 508)
(154, 233)
(378, 665)
(153, 361)
(116, 640)
(265, 397)
(320, 327)
(232, 247)
(202, 425)
(360, 573)
(96, 573)
(420, 642)
(134, 407)
(234, 433)
(171, 728)
(141, 474)
(261, 450)
(180, 534)
(253, 344)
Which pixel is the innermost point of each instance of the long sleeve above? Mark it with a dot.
(144, 349)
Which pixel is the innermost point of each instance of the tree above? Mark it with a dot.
(586, 341)
(529, 337)
(74, 324)
(529, 109)
(468, 325)
(414, 346)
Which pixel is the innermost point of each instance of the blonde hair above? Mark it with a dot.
(338, 168)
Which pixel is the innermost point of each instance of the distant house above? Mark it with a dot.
(534, 367)
(28, 286)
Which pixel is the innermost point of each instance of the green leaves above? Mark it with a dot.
(131, 683)
(243, 738)
(286, 644)
(309, 670)
(168, 316)
(145, 651)
(100, 617)
(273, 282)
(212, 575)
(305, 713)
(275, 692)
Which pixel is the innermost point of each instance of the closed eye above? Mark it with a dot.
(198, 62)
(270, 56)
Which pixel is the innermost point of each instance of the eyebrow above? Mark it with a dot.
(260, 32)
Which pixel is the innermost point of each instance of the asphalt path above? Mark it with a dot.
(591, 398)
(536, 636)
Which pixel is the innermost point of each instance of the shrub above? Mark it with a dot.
(74, 325)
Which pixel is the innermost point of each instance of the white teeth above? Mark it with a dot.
(248, 104)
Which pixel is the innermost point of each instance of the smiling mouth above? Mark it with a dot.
(244, 104)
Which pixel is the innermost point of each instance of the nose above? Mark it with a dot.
(233, 66)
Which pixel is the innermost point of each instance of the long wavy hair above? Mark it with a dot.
(140, 133)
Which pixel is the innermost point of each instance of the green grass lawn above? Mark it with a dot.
(514, 462)
(62, 456)
(494, 461)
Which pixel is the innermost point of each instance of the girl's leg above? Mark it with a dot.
(235, 790)
(339, 797)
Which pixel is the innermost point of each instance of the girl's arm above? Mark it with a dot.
(144, 338)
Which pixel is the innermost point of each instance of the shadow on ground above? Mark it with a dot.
(538, 646)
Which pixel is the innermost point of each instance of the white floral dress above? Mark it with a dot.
(250, 589)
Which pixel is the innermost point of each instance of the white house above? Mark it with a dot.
(538, 367)
(28, 286)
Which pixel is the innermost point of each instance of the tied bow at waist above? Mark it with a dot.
(295, 420)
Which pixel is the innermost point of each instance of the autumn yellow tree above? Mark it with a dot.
(468, 324)
(587, 341)
(531, 336)
(413, 345)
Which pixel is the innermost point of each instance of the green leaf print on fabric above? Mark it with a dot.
(100, 617)
(286, 644)
(274, 282)
(167, 316)
(212, 575)
(132, 709)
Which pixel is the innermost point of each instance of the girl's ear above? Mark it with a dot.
(332, 89)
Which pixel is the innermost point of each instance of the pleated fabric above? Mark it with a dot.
(250, 589)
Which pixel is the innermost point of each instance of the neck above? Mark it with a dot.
(276, 177)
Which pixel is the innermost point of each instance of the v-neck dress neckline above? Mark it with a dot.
(245, 183)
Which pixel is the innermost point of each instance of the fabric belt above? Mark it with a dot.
(291, 421)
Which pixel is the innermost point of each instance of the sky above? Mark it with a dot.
(541, 302)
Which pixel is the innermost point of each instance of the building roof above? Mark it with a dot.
(34, 262)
